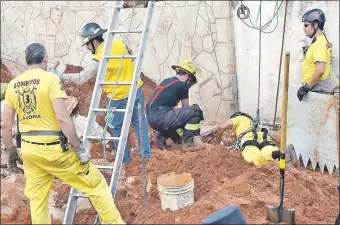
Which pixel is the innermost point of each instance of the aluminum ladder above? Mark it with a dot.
(118, 5)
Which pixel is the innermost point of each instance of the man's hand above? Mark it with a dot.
(303, 90)
(12, 159)
(84, 157)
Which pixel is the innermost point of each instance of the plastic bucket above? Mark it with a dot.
(176, 190)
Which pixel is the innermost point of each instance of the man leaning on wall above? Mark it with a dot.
(316, 66)
(38, 99)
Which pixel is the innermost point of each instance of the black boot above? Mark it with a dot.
(162, 142)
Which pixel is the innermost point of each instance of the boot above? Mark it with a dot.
(291, 155)
(162, 142)
(192, 145)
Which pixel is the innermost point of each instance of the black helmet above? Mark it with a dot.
(90, 31)
(315, 15)
(241, 114)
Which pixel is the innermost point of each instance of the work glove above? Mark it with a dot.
(303, 90)
(83, 155)
(12, 159)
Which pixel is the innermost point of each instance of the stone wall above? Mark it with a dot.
(208, 32)
(197, 30)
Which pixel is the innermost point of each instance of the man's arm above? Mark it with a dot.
(320, 70)
(6, 127)
(223, 127)
(65, 121)
(91, 70)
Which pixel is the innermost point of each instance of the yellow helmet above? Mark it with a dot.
(186, 66)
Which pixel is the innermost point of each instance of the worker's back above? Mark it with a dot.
(31, 95)
(169, 92)
(126, 71)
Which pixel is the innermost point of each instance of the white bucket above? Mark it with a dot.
(176, 190)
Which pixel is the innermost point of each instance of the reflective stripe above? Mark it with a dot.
(42, 133)
(192, 126)
(180, 132)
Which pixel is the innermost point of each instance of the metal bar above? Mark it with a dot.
(278, 79)
(105, 110)
(70, 208)
(99, 138)
(131, 101)
(129, 31)
(119, 56)
(113, 83)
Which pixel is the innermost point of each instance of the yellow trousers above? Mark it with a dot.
(43, 163)
(258, 157)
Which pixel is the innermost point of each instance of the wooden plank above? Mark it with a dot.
(313, 127)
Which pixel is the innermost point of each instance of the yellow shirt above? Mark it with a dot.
(317, 52)
(242, 124)
(30, 94)
(126, 72)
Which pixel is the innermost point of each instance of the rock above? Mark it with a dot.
(71, 103)
(12, 196)
(80, 124)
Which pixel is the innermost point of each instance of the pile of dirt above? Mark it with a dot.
(223, 178)
(73, 69)
(6, 75)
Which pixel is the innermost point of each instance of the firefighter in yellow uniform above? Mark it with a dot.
(256, 147)
(45, 126)
(92, 36)
(316, 66)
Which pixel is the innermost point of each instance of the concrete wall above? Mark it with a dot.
(210, 29)
(179, 30)
(247, 47)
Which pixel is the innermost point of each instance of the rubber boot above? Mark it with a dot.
(192, 145)
(162, 145)
(291, 155)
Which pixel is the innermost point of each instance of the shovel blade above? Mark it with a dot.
(280, 214)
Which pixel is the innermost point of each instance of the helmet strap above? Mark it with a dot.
(94, 49)
(315, 29)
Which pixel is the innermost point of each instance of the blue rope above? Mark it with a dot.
(259, 82)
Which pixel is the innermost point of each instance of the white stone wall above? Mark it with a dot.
(247, 47)
(197, 30)
(221, 45)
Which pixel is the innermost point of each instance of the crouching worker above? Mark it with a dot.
(256, 147)
(181, 124)
(46, 128)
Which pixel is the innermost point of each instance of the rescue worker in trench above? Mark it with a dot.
(256, 147)
(181, 124)
(92, 36)
(316, 66)
(38, 99)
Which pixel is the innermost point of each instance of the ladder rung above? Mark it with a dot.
(125, 32)
(105, 110)
(119, 56)
(80, 195)
(104, 167)
(113, 83)
(99, 138)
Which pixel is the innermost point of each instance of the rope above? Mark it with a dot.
(245, 10)
(257, 120)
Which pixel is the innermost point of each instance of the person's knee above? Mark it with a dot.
(198, 111)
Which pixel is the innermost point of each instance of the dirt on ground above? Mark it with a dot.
(5, 74)
(222, 178)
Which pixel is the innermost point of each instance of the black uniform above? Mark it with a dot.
(174, 123)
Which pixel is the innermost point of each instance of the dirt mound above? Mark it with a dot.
(73, 69)
(6, 75)
(223, 178)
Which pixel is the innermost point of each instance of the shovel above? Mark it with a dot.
(280, 214)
